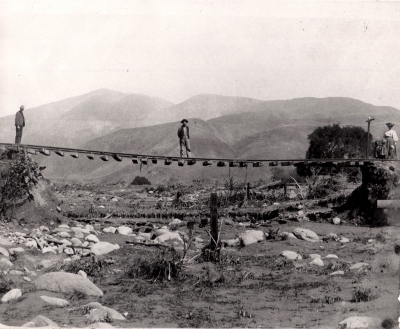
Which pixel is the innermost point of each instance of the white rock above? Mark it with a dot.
(40, 321)
(63, 226)
(44, 228)
(11, 295)
(20, 234)
(15, 272)
(172, 238)
(114, 200)
(161, 231)
(358, 322)
(113, 314)
(5, 263)
(251, 236)
(82, 273)
(69, 251)
(344, 240)
(67, 283)
(110, 229)
(4, 252)
(305, 234)
(358, 266)
(49, 249)
(81, 230)
(55, 301)
(78, 235)
(124, 230)
(76, 242)
(175, 223)
(18, 250)
(291, 255)
(92, 238)
(331, 256)
(231, 242)
(147, 236)
(317, 262)
(101, 206)
(26, 279)
(31, 244)
(313, 256)
(102, 248)
(5, 242)
(337, 273)
(85, 244)
(336, 220)
(89, 227)
(287, 235)
(64, 235)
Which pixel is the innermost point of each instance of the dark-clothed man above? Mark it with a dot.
(184, 139)
(19, 124)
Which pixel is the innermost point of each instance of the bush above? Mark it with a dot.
(140, 181)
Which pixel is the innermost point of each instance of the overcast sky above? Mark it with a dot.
(51, 50)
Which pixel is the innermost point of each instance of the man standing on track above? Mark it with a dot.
(19, 124)
(184, 141)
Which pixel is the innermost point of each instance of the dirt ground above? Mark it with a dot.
(253, 286)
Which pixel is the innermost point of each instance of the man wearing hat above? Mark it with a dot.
(19, 124)
(391, 140)
(184, 142)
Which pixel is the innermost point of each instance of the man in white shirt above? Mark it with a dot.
(184, 141)
(391, 140)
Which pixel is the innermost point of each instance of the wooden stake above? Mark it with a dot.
(214, 217)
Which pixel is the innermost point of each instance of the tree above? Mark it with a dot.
(335, 142)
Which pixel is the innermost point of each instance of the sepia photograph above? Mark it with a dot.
(199, 164)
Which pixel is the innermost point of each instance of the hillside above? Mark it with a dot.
(273, 130)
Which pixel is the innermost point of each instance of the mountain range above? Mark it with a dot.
(220, 126)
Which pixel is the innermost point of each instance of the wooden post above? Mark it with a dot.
(214, 218)
(248, 191)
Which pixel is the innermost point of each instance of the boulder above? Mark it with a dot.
(331, 256)
(82, 273)
(109, 229)
(15, 272)
(64, 226)
(337, 273)
(69, 251)
(175, 223)
(31, 244)
(18, 250)
(336, 220)
(103, 247)
(49, 249)
(67, 283)
(147, 236)
(124, 230)
(92, 238)
(360, 322)
(55, 301)
(26, 279)
(78, 235)
(5, 242)
(344, 240)
(4, 252)
(291, 255)
(81, 230)
(40, 321)
(44, 228)
(357, 266)
(5, 263)
(313, 256)
(317, 262)
(76, 242)
(172, 238)
(231, 242)
(161, 231)
(305, 234)
(64, 235)
(11, 295)
(251, 236)
(97, 316)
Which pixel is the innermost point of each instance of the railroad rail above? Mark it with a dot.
(220, 162)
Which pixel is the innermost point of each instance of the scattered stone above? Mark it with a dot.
(4, 252)
(147, 236)
(92, 238)
(64, 226)
(305, 234)
(31, 244)
(344, 240)
(82, 273)
(11, 295)
(18, 250)
(359, 322)
(109, 229)
(313, 256)
(27, 279)
(161, 231)
(76, 242)
(58, 208)
(15, 272)
(41, 321)
(333, 236)
(20, 234)
(287, 235)
(251, 236)
(4, 262)
(83, 230)
(44, 228)
(231, 242)
(337, 273)
(55, 301)
(47, 263)
(317, 262)
(64, 235)
(124, 230)
(357, 266)
(79, 235)
(69, 251)
(175, 223)
(331, 256)
(113, 314)
(114, 199)
(102, 248)
(336, 220)
(49, 249)
(172, 237)
(68, 283)
(291, 255)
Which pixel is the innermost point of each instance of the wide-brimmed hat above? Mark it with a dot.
(184, 120)
(22, 107)
(390, 125)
